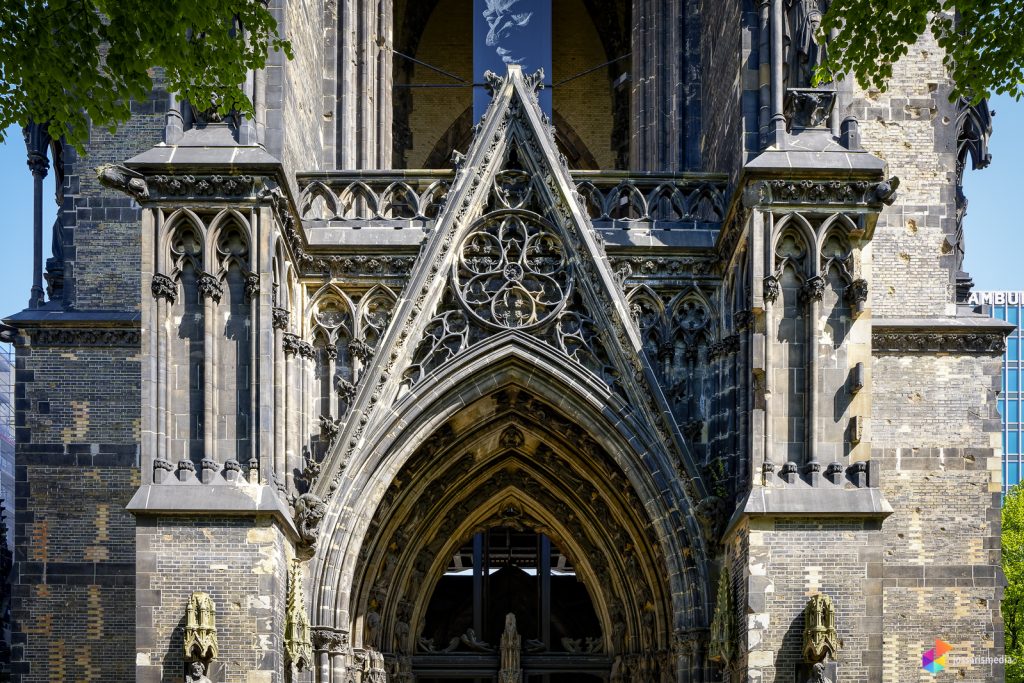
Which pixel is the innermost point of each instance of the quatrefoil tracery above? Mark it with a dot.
(512, 271)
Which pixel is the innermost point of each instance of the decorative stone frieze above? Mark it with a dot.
(947, 341)
(204, 186)
(63, 336)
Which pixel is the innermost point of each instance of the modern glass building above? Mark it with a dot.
(1007, 306)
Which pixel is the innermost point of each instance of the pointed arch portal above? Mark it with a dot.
(510, 421)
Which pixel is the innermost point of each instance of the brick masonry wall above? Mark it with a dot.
(242, 564)
(936, 435)
(101, 226)
(792, 559)
(73, 583)
(77, 430)
(586, 102)
(911, 126)
(447, 44)
(301, 119)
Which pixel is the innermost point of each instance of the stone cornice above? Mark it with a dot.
(54, 327)
(964, 335)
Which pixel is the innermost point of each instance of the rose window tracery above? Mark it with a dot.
(512, 271)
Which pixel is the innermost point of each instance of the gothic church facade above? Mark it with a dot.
(651, 368)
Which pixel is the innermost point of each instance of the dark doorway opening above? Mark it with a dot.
(511, 571)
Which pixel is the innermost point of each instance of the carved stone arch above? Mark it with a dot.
(318, 202)
(179, 221)
(173, 226)
(373, 314)
(647, 311)
(696, 295)
(476, 473)
(332, 292)
(801, 256)
(226, 220)
(518, 361)
(220, 256)
(279, 271)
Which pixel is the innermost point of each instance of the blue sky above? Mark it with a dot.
(993, 229)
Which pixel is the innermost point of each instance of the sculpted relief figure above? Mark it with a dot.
(309, 510)
(196, 673)
(805, 47)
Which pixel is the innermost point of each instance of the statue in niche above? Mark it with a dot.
(511, 672)
(805, 47)
(196, 673)
(372, 630)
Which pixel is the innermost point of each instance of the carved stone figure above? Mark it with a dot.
(309, 511)
(195, 672)
(373, 626)
(805, 48)
(818, 674)
(200, 640)
(470, 640)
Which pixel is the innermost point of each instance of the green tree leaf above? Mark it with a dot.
(78, 63)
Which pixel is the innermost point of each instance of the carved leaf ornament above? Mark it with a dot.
(512, 271)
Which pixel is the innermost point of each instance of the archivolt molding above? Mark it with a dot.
(419, 422)
(524, 467)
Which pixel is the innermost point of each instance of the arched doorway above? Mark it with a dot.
(505, 503)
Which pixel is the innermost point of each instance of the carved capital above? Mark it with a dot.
(360, 350)
(280, 318)
(857, 292)
(252, 286)
(331, 352)
(812, 290)
(291, 343)
(772, 289)
(346, 390)
(306, 350)
(210, 287)
(326, 639)
(163, 287)
(744, 320)
(38, 164)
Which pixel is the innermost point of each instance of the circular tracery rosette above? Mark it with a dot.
(512, 271)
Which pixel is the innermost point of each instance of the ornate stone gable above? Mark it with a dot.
(513, 256)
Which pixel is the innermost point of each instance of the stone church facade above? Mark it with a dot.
(666, 379)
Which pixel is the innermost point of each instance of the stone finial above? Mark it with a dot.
(723, 623)
(298, 646)
(200, 641)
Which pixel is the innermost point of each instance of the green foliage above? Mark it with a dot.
(983, 41)
(1013, 568)
(73, 63)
